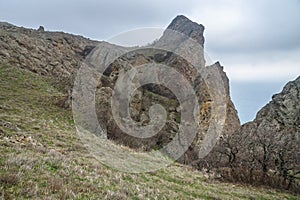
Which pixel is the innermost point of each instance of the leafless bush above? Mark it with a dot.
(266, 156)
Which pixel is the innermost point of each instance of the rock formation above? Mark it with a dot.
(60, 55)
(169, 50)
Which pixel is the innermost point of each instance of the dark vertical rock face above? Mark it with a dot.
(225, 112)
(279, 116)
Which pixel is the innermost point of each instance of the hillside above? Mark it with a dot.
(42, 157)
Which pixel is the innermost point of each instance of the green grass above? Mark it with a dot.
(43, 158)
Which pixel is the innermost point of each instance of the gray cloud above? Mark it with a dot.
(96, 19)
(230, 25)
(248, 26)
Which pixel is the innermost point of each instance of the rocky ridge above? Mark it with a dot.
(278, 121)
(55, 54)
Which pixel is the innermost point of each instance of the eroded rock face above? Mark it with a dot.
(193, 70)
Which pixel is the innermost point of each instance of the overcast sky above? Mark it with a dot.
(258, 42)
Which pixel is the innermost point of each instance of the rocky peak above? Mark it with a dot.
(185, 38)
(184, 25)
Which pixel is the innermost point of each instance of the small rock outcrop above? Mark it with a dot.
(41, 29)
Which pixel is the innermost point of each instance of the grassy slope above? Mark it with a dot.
(43, 158)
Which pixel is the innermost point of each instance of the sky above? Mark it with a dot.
(257, 42)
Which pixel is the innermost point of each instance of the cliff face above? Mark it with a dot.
(60, 55)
